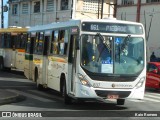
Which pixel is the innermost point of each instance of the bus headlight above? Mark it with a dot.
(140, 83)
(83, 80)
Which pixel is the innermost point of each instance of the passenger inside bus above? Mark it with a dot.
(87, 50)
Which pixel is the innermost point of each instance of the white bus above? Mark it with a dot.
(88, 59)
(12, 48)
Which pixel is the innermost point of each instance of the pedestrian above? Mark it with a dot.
(152, 57)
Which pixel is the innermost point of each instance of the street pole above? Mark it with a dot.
(98, 8)
(102, 9)
(2, 20)
(138, 11)
(115, 9)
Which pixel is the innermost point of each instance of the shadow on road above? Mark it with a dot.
(21, 84)
(11, 74)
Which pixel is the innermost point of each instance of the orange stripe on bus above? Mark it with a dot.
(21, 50)
(57, 59)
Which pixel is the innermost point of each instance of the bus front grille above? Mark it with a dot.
(104, 93)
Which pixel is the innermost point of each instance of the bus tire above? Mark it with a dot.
(120, 101)
(39, 86)
(67, 99)
(1, 63)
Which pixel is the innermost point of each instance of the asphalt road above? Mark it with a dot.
(50, 104)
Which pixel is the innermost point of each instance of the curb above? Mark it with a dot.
(12, 99)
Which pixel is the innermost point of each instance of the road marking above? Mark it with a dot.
(135, 100)
(16, 79)
(152, 100)
(32, 96)
(151, 93)
(151, 96)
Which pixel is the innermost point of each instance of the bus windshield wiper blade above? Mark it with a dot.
(102, 39)
(126, 39)
(105, 45)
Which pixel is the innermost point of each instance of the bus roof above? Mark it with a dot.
(55, 25)
(111, 20)
(13, 30)
(73, 22)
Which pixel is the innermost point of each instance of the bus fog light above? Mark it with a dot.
(83, 80)
(140, 83)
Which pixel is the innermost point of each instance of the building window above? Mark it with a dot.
(91, 5)
(15, 9)
(64, 4)
(37, 7)
(50, 5)
(127, 2)
(150, 1)
(24, 8)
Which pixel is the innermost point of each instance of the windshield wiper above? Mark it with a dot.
(123, 46)
(125, 43)
(105, 44)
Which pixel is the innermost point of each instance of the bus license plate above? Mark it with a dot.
(112, 96)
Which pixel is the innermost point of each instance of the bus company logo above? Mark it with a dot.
(6, 114)
(113, 85)
(21, 114)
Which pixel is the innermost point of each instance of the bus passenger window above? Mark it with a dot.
(0, 40)
(52, 43)
(5, 40)
(55, 44)
(66, 36)
(40, 43)
(61, 42)
(36, 42)
(20, 42)
(23, 39)
(28, 45)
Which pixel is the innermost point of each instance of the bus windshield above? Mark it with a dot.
(112, 54)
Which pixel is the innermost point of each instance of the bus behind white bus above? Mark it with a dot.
(12, 48)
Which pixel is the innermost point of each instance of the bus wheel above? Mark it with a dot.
(67, 99)
(1, 63)
(120, 101)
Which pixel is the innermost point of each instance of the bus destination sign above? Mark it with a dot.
(112, 28)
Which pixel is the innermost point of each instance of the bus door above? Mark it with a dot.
(20, 51)
(72, 62)
(29, 56)
(45, 59)
(6, 51)
(13, 46)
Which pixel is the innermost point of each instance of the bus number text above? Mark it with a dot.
(94, 27)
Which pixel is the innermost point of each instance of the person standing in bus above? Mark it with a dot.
(87, 52)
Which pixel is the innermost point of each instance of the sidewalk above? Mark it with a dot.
(7, 97)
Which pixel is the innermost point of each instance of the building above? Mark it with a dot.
(146, 12)
(38, 12)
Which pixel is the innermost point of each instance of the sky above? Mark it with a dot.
(5, 15)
